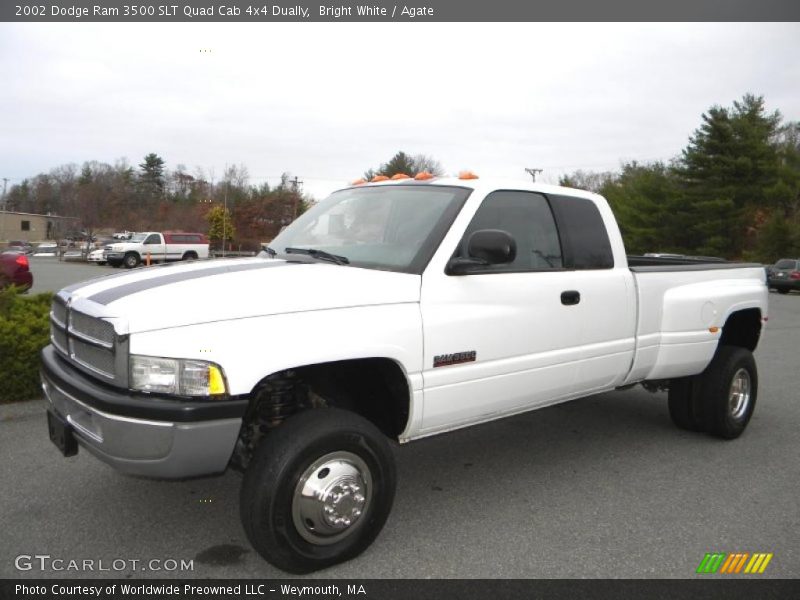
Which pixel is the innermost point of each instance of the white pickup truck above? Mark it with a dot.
(157, 247)
(388, 312)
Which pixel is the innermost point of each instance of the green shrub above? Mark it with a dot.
(24, 331)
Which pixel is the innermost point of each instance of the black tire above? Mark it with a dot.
(131, 260)
(724, 416)
(685, 403)
(269, 500)
(190, 256)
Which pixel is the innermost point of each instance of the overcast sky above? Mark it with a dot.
(326, 101)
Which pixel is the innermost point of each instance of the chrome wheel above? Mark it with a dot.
(331, 497)
(739, 394)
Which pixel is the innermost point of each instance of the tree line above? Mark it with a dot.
(151, 197)
(733, 192)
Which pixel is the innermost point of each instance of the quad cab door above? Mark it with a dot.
(509, 337)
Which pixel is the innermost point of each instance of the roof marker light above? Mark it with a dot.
(359, 182)
(467, 175)
(378, 178)
(423, 176)
(400, 176)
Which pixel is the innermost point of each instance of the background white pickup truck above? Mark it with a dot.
(390, 311)
(159, 247)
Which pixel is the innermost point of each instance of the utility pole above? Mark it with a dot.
(3, 226)
(225, 213)
(533, 173)
(295, 185)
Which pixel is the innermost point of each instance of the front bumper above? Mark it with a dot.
(142, 435)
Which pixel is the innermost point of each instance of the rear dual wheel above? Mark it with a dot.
(720, 400)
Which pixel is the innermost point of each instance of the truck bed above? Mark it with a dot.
(683, 304)
(645, 264)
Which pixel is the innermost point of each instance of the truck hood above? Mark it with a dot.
(176, 295)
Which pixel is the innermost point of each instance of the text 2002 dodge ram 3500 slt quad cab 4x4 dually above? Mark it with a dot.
(389, 311)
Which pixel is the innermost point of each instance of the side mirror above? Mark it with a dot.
(484, 247)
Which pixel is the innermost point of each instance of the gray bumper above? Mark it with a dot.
(163, 449)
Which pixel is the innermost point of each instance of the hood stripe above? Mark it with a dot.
(110, 295)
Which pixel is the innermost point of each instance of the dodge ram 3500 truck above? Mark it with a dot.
(387, 312)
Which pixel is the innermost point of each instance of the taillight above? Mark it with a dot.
(22, 261)
(794, 275)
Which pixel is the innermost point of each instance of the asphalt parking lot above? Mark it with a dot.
(599, 487)
(51, 274)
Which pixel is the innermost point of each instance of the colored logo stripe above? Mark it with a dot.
(734, 562)
(758, 564)
(711, 562)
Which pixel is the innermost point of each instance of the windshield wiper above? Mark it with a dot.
(319, 254)
(269, 251)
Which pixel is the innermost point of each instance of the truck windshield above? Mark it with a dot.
(391, 227)
(138, 237)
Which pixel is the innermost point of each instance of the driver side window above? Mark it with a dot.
(153, 238)
(528, 218)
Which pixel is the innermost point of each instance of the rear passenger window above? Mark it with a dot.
(527, 217)
(583, 232)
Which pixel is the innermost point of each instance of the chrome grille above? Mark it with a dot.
(59, 312)
(59, 338)
(90, 343)
(96, 358)
(96, 330)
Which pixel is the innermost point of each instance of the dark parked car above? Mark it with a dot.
(15, 270)
(20, 246)
(784, 275)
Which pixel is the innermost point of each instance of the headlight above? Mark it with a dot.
(176, 376)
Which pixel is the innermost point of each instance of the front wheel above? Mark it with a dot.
(730, 388)
(131, 260)
(318, 490)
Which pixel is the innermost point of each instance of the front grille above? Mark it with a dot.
(90, 343)
(96, 330)
(59, 339)
(59, 312)
(94, 357)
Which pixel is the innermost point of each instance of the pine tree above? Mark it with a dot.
(729, 163)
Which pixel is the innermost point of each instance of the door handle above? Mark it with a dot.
(570, 297)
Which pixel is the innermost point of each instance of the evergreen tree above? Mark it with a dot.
(152, 177)
(644, 199)
(406, 164)
(728, 166)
